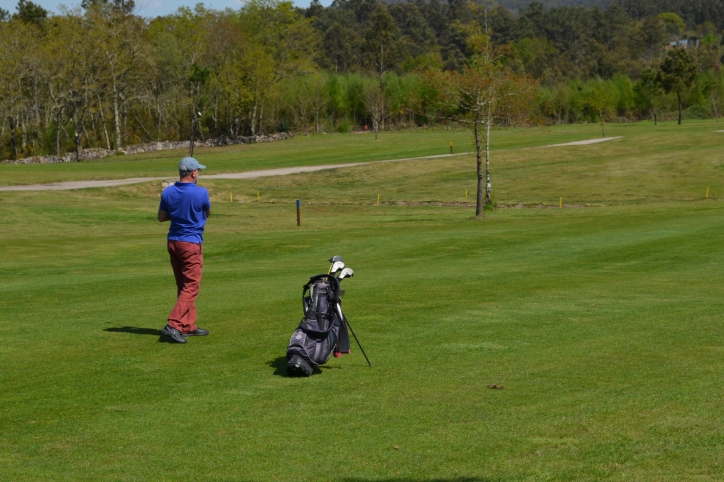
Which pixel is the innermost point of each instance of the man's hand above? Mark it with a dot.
(163, 216)
(208, 213)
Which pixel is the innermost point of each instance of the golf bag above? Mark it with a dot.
(323, 329)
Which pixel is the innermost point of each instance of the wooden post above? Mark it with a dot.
(231, 198)
(466, 195)
(707, 192)
(451, 147)
(299, 219)
(378, 200)
(561, 203)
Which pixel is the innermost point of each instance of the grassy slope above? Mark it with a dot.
(603, 324)
(300, 151)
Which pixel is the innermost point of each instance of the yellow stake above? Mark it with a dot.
(707, 192)
(378, 199)
(258, 198)
(466, 195)
(561, 202)
(231, 198)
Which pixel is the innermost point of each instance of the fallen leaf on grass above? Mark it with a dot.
(397, 447)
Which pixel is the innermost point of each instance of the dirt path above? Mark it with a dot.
(586, 143)
(66, 186)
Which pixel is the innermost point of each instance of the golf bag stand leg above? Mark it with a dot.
(339, 309)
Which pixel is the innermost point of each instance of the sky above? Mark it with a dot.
(149, 8)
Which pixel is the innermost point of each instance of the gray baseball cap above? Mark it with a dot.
(189, 164)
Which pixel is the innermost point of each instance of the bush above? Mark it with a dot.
(697, 112)
(344, 126)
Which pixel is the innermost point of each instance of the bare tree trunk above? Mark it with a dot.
(603, 125)
(488, 186)
(678, 96)
(77, 142)
(216, 111)
(158, 133)
(116, 116)
(35, 101)
(13, 140)
(23, 135)
(105, 130)
(713, 104)
(261, 118)
(193, 134)
(253, 115)
(479, 212)
(57, 134)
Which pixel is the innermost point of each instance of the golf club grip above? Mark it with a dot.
(358, 343)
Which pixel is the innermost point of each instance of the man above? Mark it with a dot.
(187, 206)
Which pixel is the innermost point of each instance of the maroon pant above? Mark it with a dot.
(187, 260)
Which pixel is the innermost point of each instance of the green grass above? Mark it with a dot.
(603, 323)
(314, 150)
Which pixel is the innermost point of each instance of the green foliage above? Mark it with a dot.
(116, 78)
(674, 24)
(344, 127)
(30, 12)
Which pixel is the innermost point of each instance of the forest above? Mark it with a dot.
(101, 75)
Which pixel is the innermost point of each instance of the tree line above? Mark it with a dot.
(101, 75)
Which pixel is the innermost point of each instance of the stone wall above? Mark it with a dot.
(93, 154)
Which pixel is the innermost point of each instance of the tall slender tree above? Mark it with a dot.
(678, 72)
(485, 95)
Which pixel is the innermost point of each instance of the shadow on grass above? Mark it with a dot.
(141, 331)
(279, 365)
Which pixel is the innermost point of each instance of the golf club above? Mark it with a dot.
(334, 259)
(336, 267)
(346, 273)
(339, 310)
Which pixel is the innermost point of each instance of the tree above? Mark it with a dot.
(648, 88)
(382, 44)
(30, 12)
(486, 94)
(283, 43)
(374, 101)
(119, 40)
(125, 6)
(601, 99)
(674, 25)
(677, 73)
(341, 45)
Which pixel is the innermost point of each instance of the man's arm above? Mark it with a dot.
(163, 216)
(208, 213)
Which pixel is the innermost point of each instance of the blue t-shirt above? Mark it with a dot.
(186, 204)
